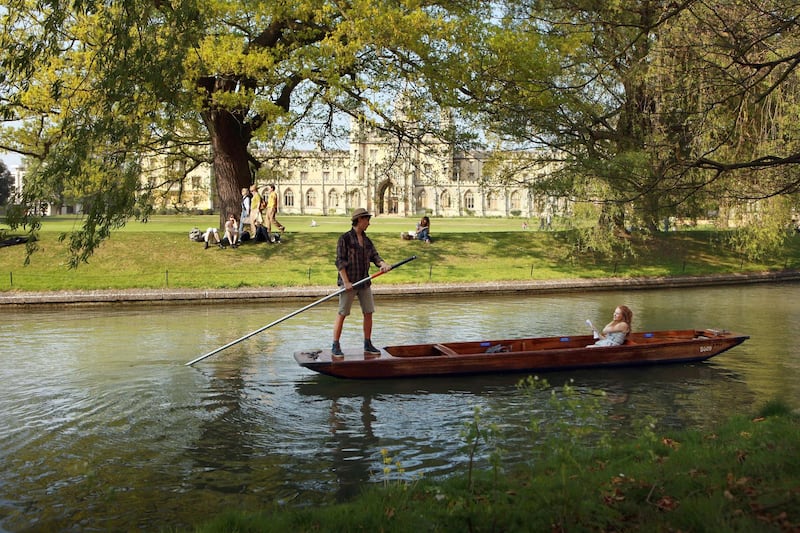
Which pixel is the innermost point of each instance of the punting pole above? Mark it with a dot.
(293, 313)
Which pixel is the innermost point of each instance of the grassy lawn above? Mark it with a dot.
(158, 254)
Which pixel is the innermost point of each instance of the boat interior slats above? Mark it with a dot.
(445, 350)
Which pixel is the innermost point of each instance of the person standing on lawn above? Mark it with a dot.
(354, 253)
(256, 219)
(245, 213)
(272, 211)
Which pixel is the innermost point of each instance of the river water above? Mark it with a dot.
(103, 427)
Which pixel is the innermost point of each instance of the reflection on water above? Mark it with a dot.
(102, 427)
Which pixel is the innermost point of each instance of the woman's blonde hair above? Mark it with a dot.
(627, 315)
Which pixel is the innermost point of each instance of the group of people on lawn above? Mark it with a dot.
(259, 210)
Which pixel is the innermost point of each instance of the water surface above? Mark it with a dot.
(102, 427)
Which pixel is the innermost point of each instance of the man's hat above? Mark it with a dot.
(360, 212)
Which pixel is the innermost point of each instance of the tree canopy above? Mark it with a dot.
(658, 108)
(652, 108)
(94, 87)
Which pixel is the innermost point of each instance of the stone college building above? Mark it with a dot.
(387, 177)
(392, 178)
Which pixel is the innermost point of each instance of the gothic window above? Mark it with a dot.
(422, 199)
(516, 201)
(333, 198)
(445, 200)
(288, 198)
(491, 200)
(469, 200)
(311, 198)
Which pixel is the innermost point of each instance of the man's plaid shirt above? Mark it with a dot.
(354, 258)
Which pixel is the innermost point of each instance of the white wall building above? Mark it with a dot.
(377, 172)
(391, 178)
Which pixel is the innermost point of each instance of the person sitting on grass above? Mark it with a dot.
(422, 233)
(232, 231)
(211, 236)
(424, 230)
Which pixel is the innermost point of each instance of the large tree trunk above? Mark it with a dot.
(231, 161)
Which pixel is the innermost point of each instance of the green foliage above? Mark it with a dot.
(475, 435)
(774, 408)
(105, 98)
(102, 96)
(767, 232)
(608, 240)
(603, 242)
(649, 110)
(573, 420)
(92, 90)
(742, 476)
(645, 105)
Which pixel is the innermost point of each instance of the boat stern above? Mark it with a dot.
(322, 361)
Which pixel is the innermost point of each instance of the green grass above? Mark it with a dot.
(158, 254)
(741, 476)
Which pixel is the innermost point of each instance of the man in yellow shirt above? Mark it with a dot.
(272, 210)
(256, 219)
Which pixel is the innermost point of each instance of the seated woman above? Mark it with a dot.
(424, 230)
(617, 330)
(231, 231)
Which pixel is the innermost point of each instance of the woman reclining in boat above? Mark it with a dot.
(615, 331)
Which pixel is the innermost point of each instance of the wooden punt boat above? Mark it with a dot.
(523, 355)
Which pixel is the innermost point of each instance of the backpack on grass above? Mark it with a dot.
(261, 234)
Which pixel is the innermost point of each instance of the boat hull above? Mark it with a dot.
(523, 355)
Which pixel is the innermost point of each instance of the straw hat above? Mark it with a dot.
(360, 212)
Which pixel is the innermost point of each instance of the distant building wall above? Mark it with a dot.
(391, 179)
(375, 172)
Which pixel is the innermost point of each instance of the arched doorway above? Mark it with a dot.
(388, 199)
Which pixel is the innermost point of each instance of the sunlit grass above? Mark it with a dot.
(158, 254)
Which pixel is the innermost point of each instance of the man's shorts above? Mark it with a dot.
(364, 299)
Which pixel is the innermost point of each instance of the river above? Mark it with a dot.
(103, 427)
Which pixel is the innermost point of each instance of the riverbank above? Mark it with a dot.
(157, 260)
(210, 296)
(734, 478)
